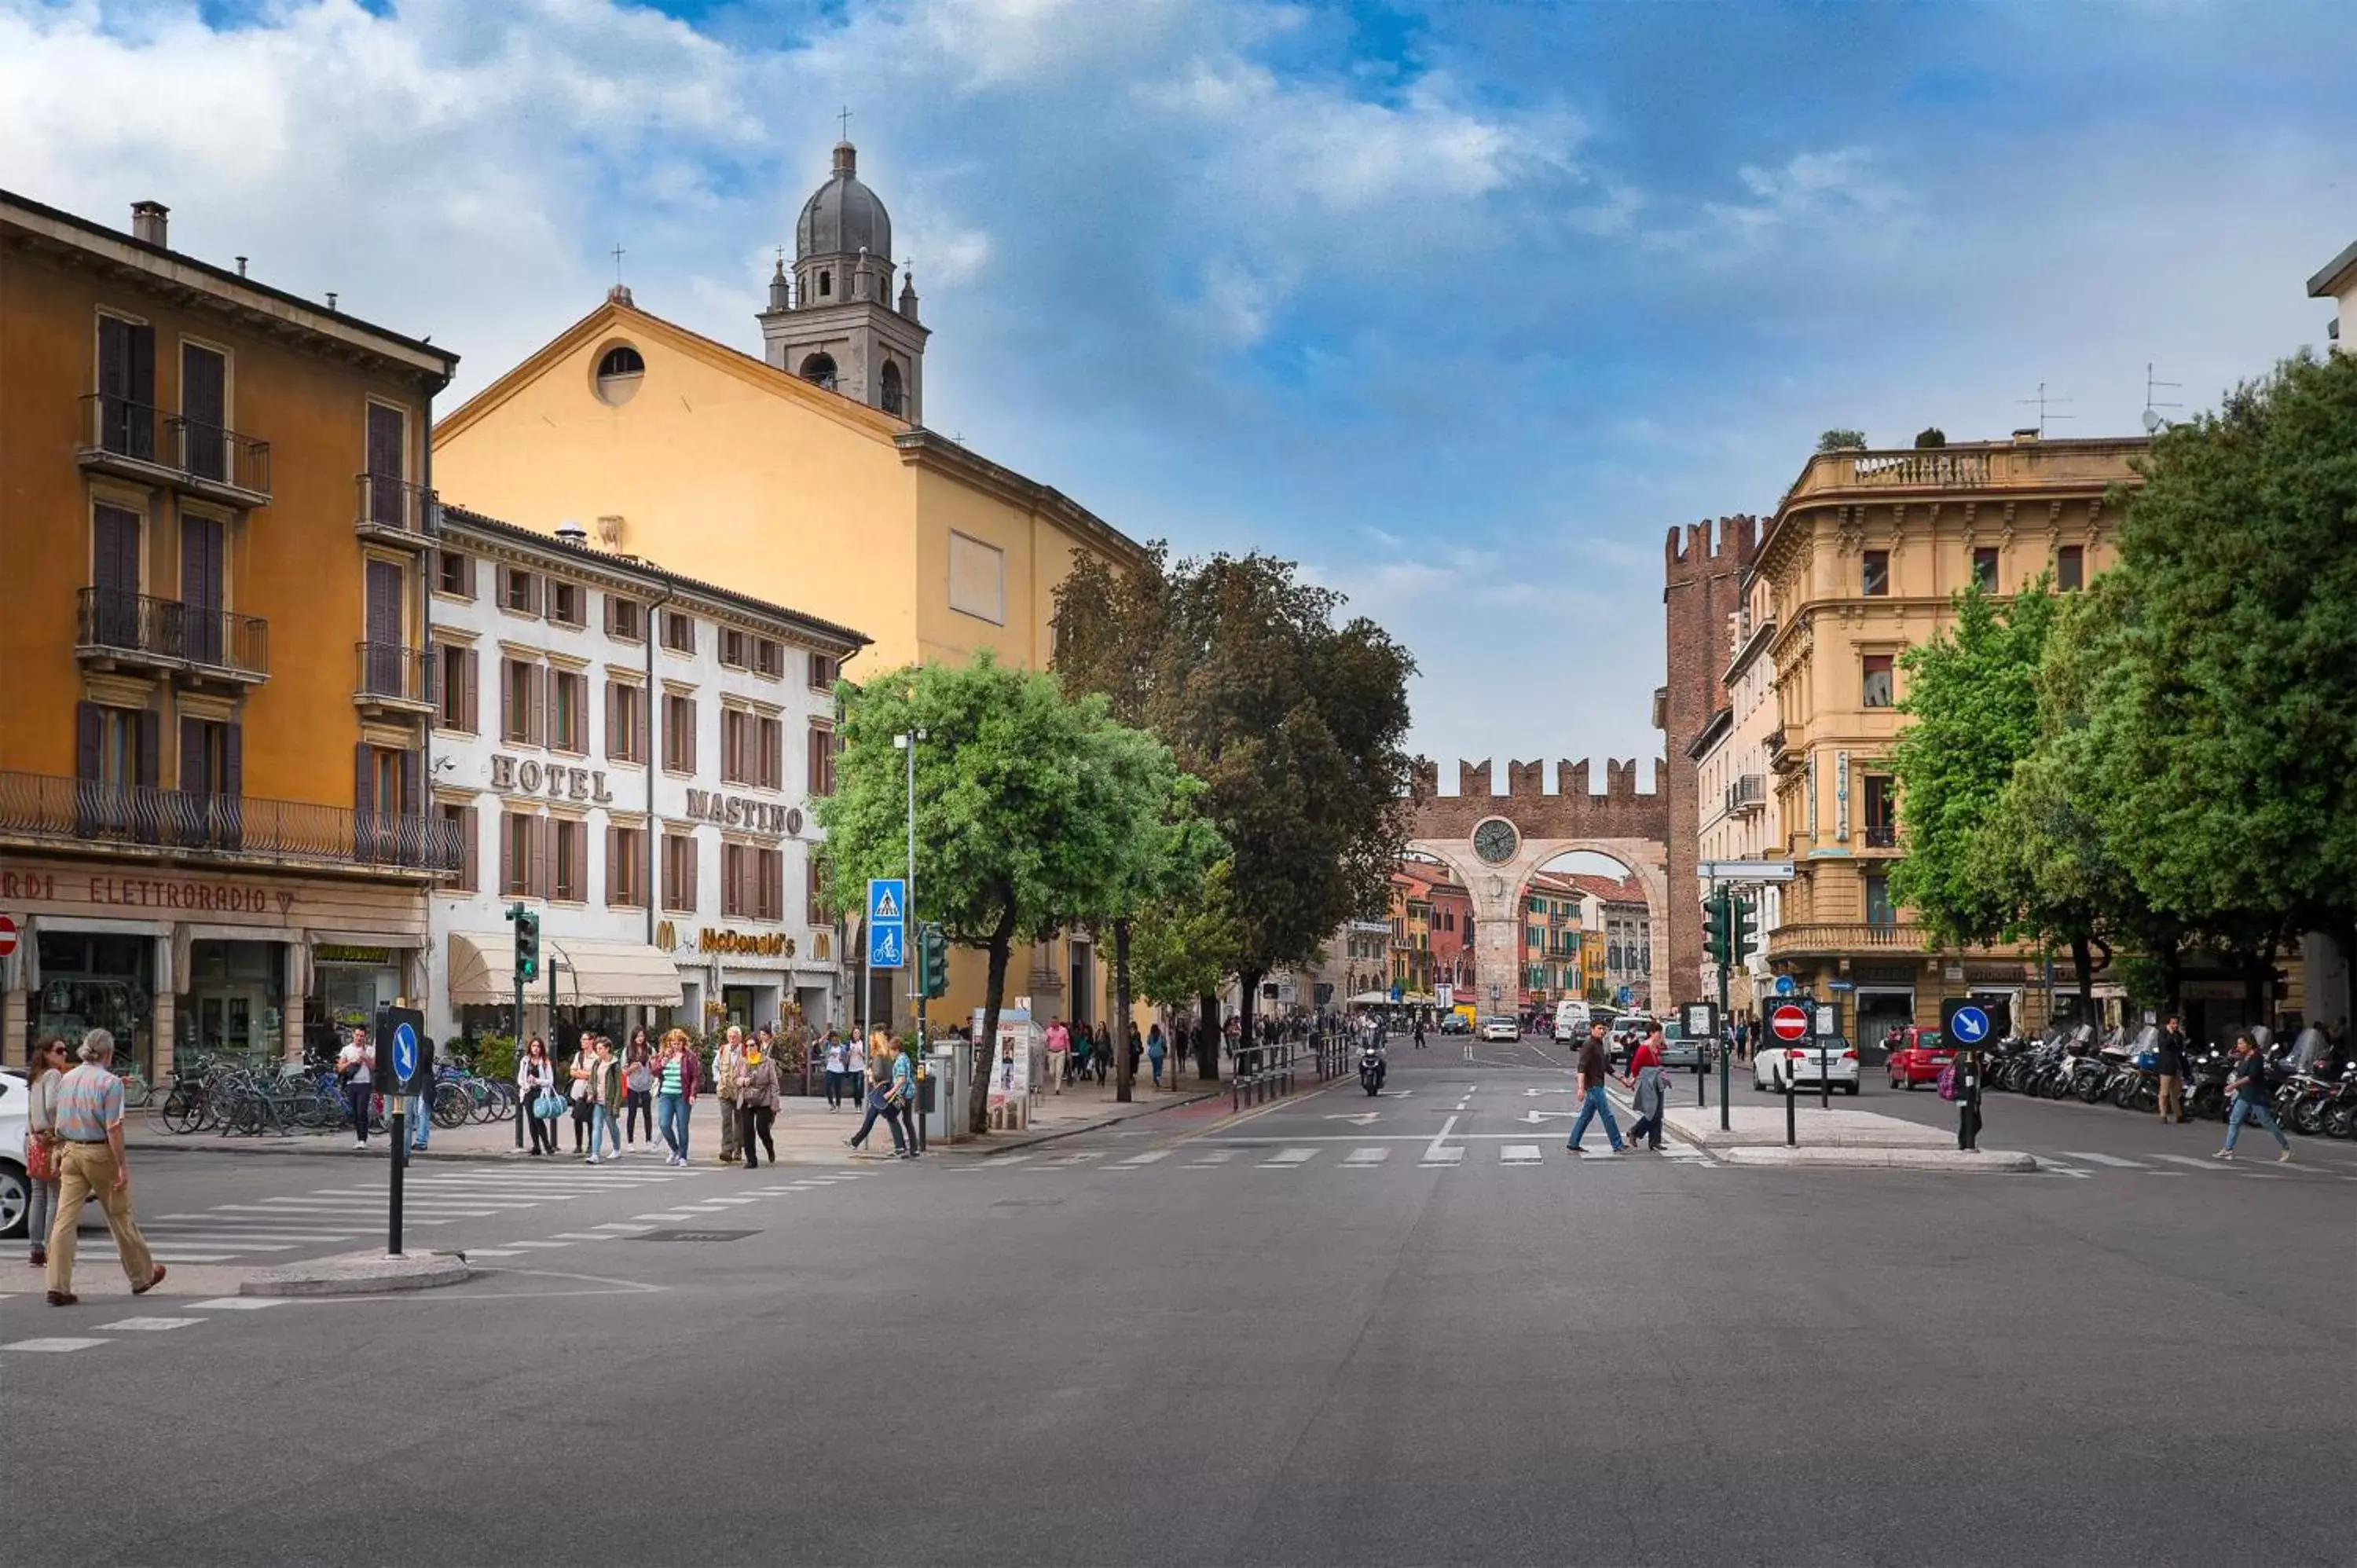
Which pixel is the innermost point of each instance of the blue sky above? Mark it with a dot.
(1461, 305)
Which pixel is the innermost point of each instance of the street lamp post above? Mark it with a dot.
(907, 742)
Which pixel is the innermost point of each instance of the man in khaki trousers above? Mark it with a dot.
(89, 1127)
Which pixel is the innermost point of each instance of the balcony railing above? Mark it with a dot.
(1882, 835)
(142, 439)
(136, 627)
(2074, 465)
(1747, 794)
(1794, 941)
(392, 509)
(67, 810)
(390, 674)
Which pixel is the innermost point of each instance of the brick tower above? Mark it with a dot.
(1701, 588)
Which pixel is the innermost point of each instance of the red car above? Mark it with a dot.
(1918, 1057)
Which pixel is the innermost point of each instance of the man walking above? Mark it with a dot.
(88, 1124)
(726, 1064)
(2247, 1083)
(1646, 1079)
(353, 1069)
(2169, 1067)
(1595, 1067)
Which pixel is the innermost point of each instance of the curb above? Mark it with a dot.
(296, 1151)
(359, 1274)
(1034, 1139)
(1982, 1162)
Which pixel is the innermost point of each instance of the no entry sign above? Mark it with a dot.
(1790, 1021)
(7, 935)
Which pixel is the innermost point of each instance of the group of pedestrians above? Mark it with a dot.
(1645, 1078)
(606, 1093)
(891, 1083)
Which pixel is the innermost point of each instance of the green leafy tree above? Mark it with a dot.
(1929, 437)
(1840, 440)
(1972, 706)
(1294, 719)
(1029, 807)
(2221, 700)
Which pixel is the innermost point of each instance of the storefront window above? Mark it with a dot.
(236, 1000)
(348, 985)
(98, 983)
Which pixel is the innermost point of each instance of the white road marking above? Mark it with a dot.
(1075, 1159)
(1149, 1157)
(161, 1254)
(540, 1244)
(473, 1253)
(580, 1236)
(147, 1323)
(2094, 1159)
(162, 1240)
(1453, 1155)
(1366, 1158)
(1010, 1159)
(623, 1229)
(55, 1344)
(1439, 1141)
(1519, 1155)
(2190, 1160)
(238, 1303)
(1286, 1159)
(1205, 1157)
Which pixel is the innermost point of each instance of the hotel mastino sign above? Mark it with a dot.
(743, 811)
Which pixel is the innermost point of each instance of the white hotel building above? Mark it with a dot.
(632, 754)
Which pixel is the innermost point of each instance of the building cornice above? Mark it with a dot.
(926, 449)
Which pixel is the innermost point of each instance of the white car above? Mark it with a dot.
(1808, 1067)
(1506, 1029)
(15, 1189)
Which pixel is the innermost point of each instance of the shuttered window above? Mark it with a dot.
(822, 761)
(814, 893)
(519, 840)
(624, 618)
(679, 872)
(626, 730)
(626, 866)
(568, 723)
(462, 821)
(571, 841)
(679, 732)
(771, 742)
(454, 573)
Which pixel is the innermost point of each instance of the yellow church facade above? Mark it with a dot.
(798, 475)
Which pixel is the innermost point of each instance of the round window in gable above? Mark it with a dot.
(619, 372)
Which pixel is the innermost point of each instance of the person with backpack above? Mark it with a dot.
(536, 1077)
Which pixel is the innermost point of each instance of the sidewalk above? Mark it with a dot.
(806, 1132)
(1844, 1138)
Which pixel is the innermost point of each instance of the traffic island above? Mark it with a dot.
(1978, 1162)
(361, 1273)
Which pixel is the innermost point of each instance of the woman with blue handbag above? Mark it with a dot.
(536, 1097)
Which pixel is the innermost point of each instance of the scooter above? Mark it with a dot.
(1370, 1070)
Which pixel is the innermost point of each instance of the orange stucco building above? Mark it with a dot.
(214, 507)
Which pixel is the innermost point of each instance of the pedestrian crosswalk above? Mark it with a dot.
(2254, 1161)
(1279, 1157)
(277, 1230)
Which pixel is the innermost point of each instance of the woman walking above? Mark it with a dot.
(757, 1106)
(855, 1070)
(639, 1087)
(1156, 1048)
(879, 1098)
(42, 1149)
(605, 1100)
(676, 1072)
(536, 1076)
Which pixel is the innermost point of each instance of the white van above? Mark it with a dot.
(1570, 1022)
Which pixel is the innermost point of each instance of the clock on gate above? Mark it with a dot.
(1495, 841)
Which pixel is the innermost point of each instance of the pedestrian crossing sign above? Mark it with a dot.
(887, 900)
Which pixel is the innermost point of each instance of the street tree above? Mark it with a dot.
(2223, 701)
(1294, 719)
(1028, 806)
(1972, 705)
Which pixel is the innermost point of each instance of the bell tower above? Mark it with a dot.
(834, 322)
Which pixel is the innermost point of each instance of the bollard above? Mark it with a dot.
(1792, 1130)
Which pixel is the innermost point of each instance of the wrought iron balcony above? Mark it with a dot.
(393, 511)
(43, 808)
(1882, 835)
(388, 676)
(1746, 795)
(142, 441)
(126, 630)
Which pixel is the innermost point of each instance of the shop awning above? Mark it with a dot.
(589, 971)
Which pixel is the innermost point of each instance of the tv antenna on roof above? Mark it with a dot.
(2045, 403)
(2154, 420)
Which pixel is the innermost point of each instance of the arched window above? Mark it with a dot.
(825, 284)
(620, 370)
(893, 400)
(820, 368)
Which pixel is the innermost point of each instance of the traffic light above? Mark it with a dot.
(1742, 930)
(527, 944)
(932, 961)
(1716, 914)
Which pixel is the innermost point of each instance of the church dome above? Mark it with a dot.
(843, 216)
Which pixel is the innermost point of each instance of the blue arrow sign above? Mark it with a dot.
(1971, 1026)
(404, 1052)
(1784, 986)
(885, 948)
(887, 900)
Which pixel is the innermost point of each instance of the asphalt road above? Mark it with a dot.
(1334, 1330)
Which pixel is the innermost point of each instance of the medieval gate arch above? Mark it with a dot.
(1493, 843)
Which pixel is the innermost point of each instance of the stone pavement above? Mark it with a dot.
(1842, 1137)
(807, 1132)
